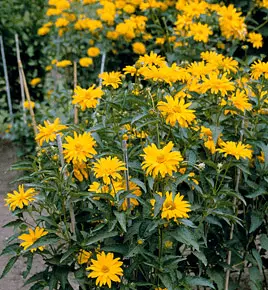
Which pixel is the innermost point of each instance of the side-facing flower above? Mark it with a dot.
(163, 161)
(79, 148)
(20, 198)
(83, 257)
(238, 150)
(106, 269)
(30, 238)
(111, 79)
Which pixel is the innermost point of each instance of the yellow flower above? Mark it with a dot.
(79, 148)
(238, 150)
(61, 22)
(28, 104)
(63, 63)
(93, 51)
(200, 32)
(206, 134)
(108, 168)
(85, 61)
(261, 157)
(111, 79)
(139, 48)
(87, 98)
(32, 237)
(173, 207)
(240, 100)
(43, 31)
(216, 84)
(161, 161)
(80, 170)
(106, 269)
(83, 257)
(168, 244)
(255, 39)
(175, 110)
(49, 131)
(35, 81)
(20, 198)
(48, 68)
(258, 68)
(130, 70)
(152, 59)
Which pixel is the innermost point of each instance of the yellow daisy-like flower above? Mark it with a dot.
(32, 237)
(79, 148)
(261, 157)
(27, 105)
(255, 39)
(240, 100)
(173, 207)
(35, 81)
(258, 68)
(238, 150)
(80, 170)
(43, 31)
(106, 269)
(20, 198)
(93, 51)
(161, 161)
(175, 110)
(111, 79)
(139, 48)
(87, 98)
(85, 61)
(108, 168)
(61, 22)
(200, 32)
(83, 257)
(49, 131)
(63, 63)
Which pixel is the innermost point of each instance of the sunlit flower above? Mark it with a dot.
(240, 100)
(175, 110)
(238, 150)
(49, 131)
(258, 68)
(43, 31)
(28, 104)
(93, 51)
(87, 98)
(30, 238)
(61, 22)
(111, 79)
(206, 135)
(163, 161)
(139, 48)
(63, 63)
(255, 39)
(80, 170)
(261, 157)
(20, 198)
(106, 269)
(108, 168)
(152, 59)
(85, 61)
(83, 257)
(79, 148)
(35, 81)
(200, 32)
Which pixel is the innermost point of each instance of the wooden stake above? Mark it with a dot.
(6, 78)
(75, 84)
(28, 98)
(21, 80)
(126, 173)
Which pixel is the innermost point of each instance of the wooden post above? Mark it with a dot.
(6, 78)
(21, 80)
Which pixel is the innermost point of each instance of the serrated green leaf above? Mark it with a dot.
(201, 257)
(139, 183)
(48, 239)
(186, 237)
(158, 203)
(217, 277)
(264, 241)
(121, 218)
(28, 266)
(101, 237)
(257, 257)
(9, 266)
(199, 281)
(255, 221)
(67, 255)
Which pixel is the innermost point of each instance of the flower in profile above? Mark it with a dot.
(258, 68)
(163, 161)
(80, 170)
(240, 100)
(238, 150)
(87, 98)
(200, 32)
(48, 131)
(43, 31)
(175, 110)
(28, 104)
(106, 269)
(173, 207)
(206, 135)
(108, 168)
(79, 148)
(93, 51)
(83, 257)
(261, 157)
(35, 81)
(30, 238)
(255, 39)
(85, 61)
(151, 59)
(63, 63)
(20, 198)
(139, 48)
(111, 79)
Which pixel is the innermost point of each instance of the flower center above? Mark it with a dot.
(170, 205)
(78, 147)
(105, 269)
(160, 158)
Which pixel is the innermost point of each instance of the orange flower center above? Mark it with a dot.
(160, 158)
(170, 205)
(78, 147)
(105, 269)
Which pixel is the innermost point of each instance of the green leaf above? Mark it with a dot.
(255, 221)
(165, 279)
(217, 277)
(158, 203)
(67, 254)
(48, 239)
(186, 237)
(201, 257)
(264, 241)
(199, 281)
(139, 183)
(257, 257)
(258, 192)
(9, 266)
(100, 237)
(28, 266)
(11, 249)
(121, 218)
(15, 223)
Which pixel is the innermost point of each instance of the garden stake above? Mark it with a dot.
(72, 216)
(75, 84)
(102, 66)
(28, 97)
(126, 173)
(6, 79)
(21, 80)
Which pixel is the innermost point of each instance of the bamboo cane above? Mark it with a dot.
(6, 79)
(21, 80)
